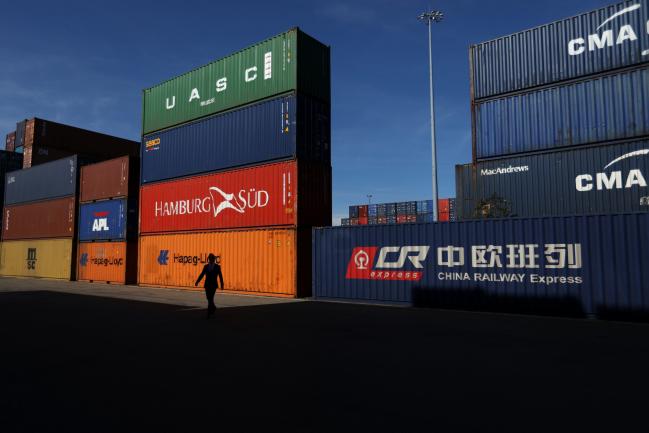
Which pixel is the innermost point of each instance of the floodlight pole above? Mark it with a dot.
(429, 18)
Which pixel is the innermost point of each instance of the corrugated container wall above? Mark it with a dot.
(103, 220)
(49, 258)
(575, 265)
(280, 194)
(601, 179)
(10, 142)
(44, 219)
(281, 128)
(107, 262)
(9, 161)
(255, 261)
(609, 38)
(46, 181)
(114, 178)
(20, 133)
(291, 61)
(606, 108)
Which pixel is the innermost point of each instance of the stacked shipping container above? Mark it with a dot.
(107, 249)
(236, 161)
(38, 228)
(561, 118)
(43, 141)
(400, 213)
(9, 161)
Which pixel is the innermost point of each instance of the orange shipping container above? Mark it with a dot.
(111, 262)
(252, 261)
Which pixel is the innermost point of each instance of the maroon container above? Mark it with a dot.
(41, 220)
(10, 141)
(47, 141)
(362, 221)
(109, 179)
(402, 219)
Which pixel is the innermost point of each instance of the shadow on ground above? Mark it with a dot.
(82, 363)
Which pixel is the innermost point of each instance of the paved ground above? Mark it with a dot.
(72, 362)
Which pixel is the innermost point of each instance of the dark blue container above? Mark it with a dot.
(611, 178)
(577, 265)
(563, 50)
(51, 180)
(103, 220)
(353, 211)
(277, 129)
(602, 109)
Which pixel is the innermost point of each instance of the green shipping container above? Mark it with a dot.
(292, 61)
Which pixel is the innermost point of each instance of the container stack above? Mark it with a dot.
(561, 119)
(38, 227)
(42, 141)
(9, 161)
(107, 248)
(400, 213)
(236, 161)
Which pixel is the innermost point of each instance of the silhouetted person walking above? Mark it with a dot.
(211, 271)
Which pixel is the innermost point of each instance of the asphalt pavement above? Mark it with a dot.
(73, 358)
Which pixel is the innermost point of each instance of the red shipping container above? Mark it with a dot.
(442, 205)
(443, 216)
(108, 179)
(402, 219)
(259, 196)
(44, 219)
(412, 218)
(362, 221)
(362, 211)
(353, 221)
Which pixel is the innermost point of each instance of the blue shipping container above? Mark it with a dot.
(277, 129)
(611, 178)
(586, 264)
(424, 206)
(103, 220)
(606, 108)
(372, 210)
(609, 38)
(42, 182)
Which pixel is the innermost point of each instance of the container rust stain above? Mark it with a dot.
(255, 261)
(50, 258)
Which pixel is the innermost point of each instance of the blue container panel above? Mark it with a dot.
(607, 108)
(589, 264)
(280, 128)
(602, 179)
(541, 55)
(104, 220)
(42, 182)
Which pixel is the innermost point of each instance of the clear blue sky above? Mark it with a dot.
(84, 64)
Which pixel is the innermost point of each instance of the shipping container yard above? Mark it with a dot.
(496, 264)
